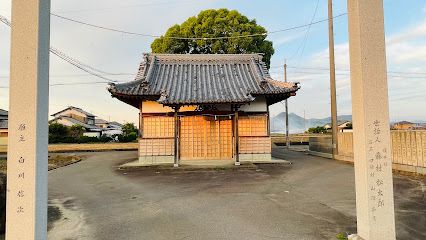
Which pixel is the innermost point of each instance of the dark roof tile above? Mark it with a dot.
(184, 79)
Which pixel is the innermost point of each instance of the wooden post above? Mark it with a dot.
(176, 137)
(237, 139)
(140, 120)
(370, 107)
(28, 121)
(268, 122)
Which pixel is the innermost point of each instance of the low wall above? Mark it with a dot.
(320, 144)
(294, 138)
(408, 149)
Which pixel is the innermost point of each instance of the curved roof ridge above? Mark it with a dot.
(180, 79)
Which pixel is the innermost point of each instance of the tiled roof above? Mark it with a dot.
(77, 109)
(76, 122)
(4, 113)
(3, 124)
(100, 120)
(183, 79)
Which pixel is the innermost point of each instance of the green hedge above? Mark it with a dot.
(59, 133)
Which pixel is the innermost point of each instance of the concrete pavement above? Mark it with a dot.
(313, 198)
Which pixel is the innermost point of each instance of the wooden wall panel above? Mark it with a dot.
(158, 127)
(255, 125)
(255, 145)
(156, 147)
(205, 138)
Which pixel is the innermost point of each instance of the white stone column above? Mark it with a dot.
(372, 152)
(28, 121)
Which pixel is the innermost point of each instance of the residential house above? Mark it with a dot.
(342, 126)
(405, 125)
(3, 130)
(76, 116)
(203, 106)
(109, 128)
(4, 116)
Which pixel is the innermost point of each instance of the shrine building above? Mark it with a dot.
(203, 107)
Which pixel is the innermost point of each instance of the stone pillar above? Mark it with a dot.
(372, 152)
(28, 121)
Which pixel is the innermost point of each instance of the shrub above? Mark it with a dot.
(57, 129)
(128, 138)
(318, 129)
(76, 131)
(129, 128)
(104, 138)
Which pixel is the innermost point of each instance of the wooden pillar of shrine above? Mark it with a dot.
(176, 137)
(236, 138)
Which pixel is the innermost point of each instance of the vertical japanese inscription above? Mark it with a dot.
(379, 161)
(20, 192)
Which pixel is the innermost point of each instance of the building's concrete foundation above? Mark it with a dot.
(155, 160)
(255, 157)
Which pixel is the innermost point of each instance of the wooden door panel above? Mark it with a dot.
(205, 139)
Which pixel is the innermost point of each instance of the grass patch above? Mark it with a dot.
(58, 161)
(341, 236)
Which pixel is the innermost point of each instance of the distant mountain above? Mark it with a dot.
(297, 123)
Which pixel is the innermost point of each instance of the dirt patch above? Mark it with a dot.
(58, 161)
(93, 147)
(55, 161)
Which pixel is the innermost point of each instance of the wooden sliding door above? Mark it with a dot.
(205, 138)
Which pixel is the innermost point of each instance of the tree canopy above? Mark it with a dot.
(211, 24)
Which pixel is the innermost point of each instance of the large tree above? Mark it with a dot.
(211, 24)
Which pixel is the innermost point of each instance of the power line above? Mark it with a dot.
(347, 70)
(5, 21)
(76, 63)
(192, 38)
(76, 83)
(77, 75)
(305, 39)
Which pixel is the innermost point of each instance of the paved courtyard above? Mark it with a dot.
(313, 198)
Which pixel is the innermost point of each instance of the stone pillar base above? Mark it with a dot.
(354, 237)
(255, 157)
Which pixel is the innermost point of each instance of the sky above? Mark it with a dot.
(305, 50)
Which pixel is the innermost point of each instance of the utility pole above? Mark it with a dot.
(332, 80)
(287, 139)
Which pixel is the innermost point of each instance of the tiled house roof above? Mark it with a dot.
(88, 127)
(4, 114)
(183, 79)
(3, 119)
(74, 108)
